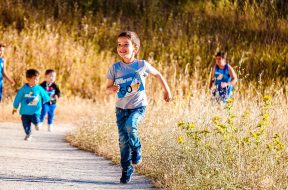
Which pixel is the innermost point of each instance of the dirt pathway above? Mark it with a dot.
(48, 162)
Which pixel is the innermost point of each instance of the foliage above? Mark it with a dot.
(234, 151)
(179, 37)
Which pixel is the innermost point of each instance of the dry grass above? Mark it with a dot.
(69, 110)
(179, 159)
(180, 40)
(173, 157)
(77, 39)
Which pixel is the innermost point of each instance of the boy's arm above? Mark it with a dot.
(12, 82)
(44, 95)
(57, 91)
(160, 78)
(233, 75)
(17, 100)
(111, 88)
(212, 79)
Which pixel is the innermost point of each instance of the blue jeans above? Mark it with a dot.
(223, 94)
(127, 122)
(50, 109)
(27, 120)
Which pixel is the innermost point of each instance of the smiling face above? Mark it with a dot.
(126, 50)
(33, 81)
(51, 77)
(220, 61)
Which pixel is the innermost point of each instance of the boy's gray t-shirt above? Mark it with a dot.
(131, 79)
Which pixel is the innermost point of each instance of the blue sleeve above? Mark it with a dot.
(44, 95)
(2, 63)
(18, 98)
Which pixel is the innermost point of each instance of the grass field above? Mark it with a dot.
(189, 143)
(192, 144)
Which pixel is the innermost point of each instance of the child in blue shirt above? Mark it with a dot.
(3, 72)
(54, 92)
(224, 78)
(126, 79)
(31, 97)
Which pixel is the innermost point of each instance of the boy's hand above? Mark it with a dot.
(115, 88)
(12, 82)
(224, 84)
(14, 111)
(167, 96)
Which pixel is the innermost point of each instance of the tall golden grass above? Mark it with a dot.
(189, 143)
(180, 38)
(193, 144)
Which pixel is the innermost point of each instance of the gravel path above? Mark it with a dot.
(48, 162)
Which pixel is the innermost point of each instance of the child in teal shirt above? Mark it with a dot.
(31, 97)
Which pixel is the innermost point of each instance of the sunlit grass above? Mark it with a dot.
(72, 110)
(201, 156)
(206, 155)
(180, 40)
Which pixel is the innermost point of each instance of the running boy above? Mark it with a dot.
(53, 91)
(224, 78)
(126, 79)
(30, 96)
(3, 72)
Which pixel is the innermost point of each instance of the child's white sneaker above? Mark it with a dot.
(28, 137)
(38, 126)
(50, 127)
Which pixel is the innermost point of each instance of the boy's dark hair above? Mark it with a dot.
(222, 54)
(49, 71)
(2, 45)
(32, 73)
(133, 37)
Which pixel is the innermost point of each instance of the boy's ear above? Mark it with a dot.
(136, 49)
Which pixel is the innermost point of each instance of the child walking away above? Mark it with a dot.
(224, 78)
(3, 72)
(30, 96)
(126, 79)
(53, 91)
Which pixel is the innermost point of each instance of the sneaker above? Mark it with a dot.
(28, 137)
(38, 126)
(50, 127)
(136, 157)
(126, 175)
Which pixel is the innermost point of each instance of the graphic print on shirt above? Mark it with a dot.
(219, 76)
(31, 99)
(50, 91)
(129, 85)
